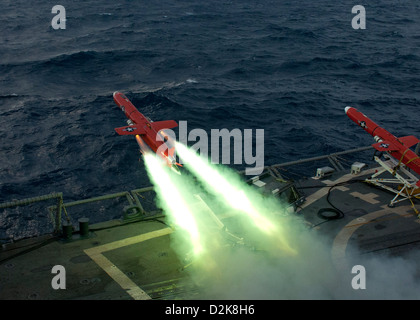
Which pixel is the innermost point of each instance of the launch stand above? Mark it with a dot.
(402, 183)
(214, 225)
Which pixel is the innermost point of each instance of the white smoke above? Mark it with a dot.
(260, 267)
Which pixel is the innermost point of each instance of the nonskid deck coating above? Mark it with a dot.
(136, 261)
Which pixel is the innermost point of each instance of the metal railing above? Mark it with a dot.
(59, 196)
(135, 210)
(332, 158)
(56, 211)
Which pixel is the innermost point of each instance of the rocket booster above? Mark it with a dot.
(399, 148)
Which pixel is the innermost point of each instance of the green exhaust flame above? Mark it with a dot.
(172, 200)
(228, 187)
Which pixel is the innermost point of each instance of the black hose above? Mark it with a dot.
(338, 214)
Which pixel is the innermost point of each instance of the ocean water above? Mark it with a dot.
(288, 67)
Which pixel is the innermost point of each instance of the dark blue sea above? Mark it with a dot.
(288, 67)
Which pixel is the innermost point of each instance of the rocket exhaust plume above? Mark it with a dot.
(172, 201)
(235, 195)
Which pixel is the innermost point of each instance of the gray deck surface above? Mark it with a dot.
(136, 261)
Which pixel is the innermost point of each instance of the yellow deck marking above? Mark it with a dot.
(96, 254)
(118, 276)
(338, 251)
(324, 191)
(129, 241)
(368, 197)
